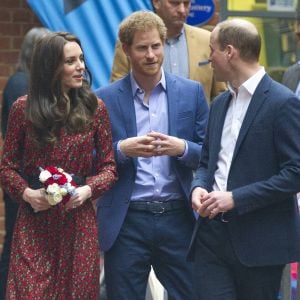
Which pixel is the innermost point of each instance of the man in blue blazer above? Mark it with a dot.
(249, 173)
(158, 123)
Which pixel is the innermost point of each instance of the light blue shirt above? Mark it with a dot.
(155, 178)
(176, 58)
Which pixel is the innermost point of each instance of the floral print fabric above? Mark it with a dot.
(55, 253)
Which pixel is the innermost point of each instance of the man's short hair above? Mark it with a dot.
(242, 35)
(141, 21)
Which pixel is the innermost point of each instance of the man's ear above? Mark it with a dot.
(230, 51)
(155, 4)
(125, 48)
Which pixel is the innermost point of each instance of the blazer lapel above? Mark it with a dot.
(173, 94)
(257, 100)
(126, 104)
(217, 127)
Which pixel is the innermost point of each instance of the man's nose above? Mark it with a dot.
(149, 52)
(181, 7)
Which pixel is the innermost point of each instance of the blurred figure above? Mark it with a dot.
(291, 78)
(61, 123)
(16, 86)
(249, 173)
(158, 123)
(186, 48)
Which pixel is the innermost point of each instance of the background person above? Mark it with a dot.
(158, 122)
(55, 251)
(249, 173)
(291, 78)
(16, 86)
(186, 48)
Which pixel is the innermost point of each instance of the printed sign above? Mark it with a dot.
(281, 5)
(201, 11)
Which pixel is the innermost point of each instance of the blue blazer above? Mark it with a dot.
(188, 114)
(264, 176)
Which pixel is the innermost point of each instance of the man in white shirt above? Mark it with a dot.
(244, 189)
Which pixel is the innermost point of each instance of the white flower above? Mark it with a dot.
(53, 188)
(54, 199)
(44, 175)
(63, 191)
(57, 197)
(55, 193)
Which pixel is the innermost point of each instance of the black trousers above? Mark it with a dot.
(11, 210)
(219, 275)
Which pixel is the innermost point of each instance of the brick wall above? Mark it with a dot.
(16, 18)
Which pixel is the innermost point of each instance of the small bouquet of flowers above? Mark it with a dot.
(59, 185)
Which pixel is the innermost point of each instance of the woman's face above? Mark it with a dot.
(74, 67)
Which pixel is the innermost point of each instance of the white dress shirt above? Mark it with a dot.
(233, 121)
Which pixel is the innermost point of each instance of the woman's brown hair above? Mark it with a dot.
(49, 106)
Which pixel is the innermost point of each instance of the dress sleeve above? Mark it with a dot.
(105, 163)
(13, 150)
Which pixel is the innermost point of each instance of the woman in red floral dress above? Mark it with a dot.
(55, 252)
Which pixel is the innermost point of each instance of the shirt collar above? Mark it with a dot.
(175, 39)
(251, 83)
(136, 89)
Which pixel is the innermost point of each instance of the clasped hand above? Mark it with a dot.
(38, 201)
(152, 144)
(210, 204)
(36, 198)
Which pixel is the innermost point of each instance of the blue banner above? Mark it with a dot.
(96, 24)
(201, 11)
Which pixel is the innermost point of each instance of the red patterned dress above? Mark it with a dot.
(55, 253)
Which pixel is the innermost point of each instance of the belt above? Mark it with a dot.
(157, 207)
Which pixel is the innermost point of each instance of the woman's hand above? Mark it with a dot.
(36, 198)
(81, 194)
